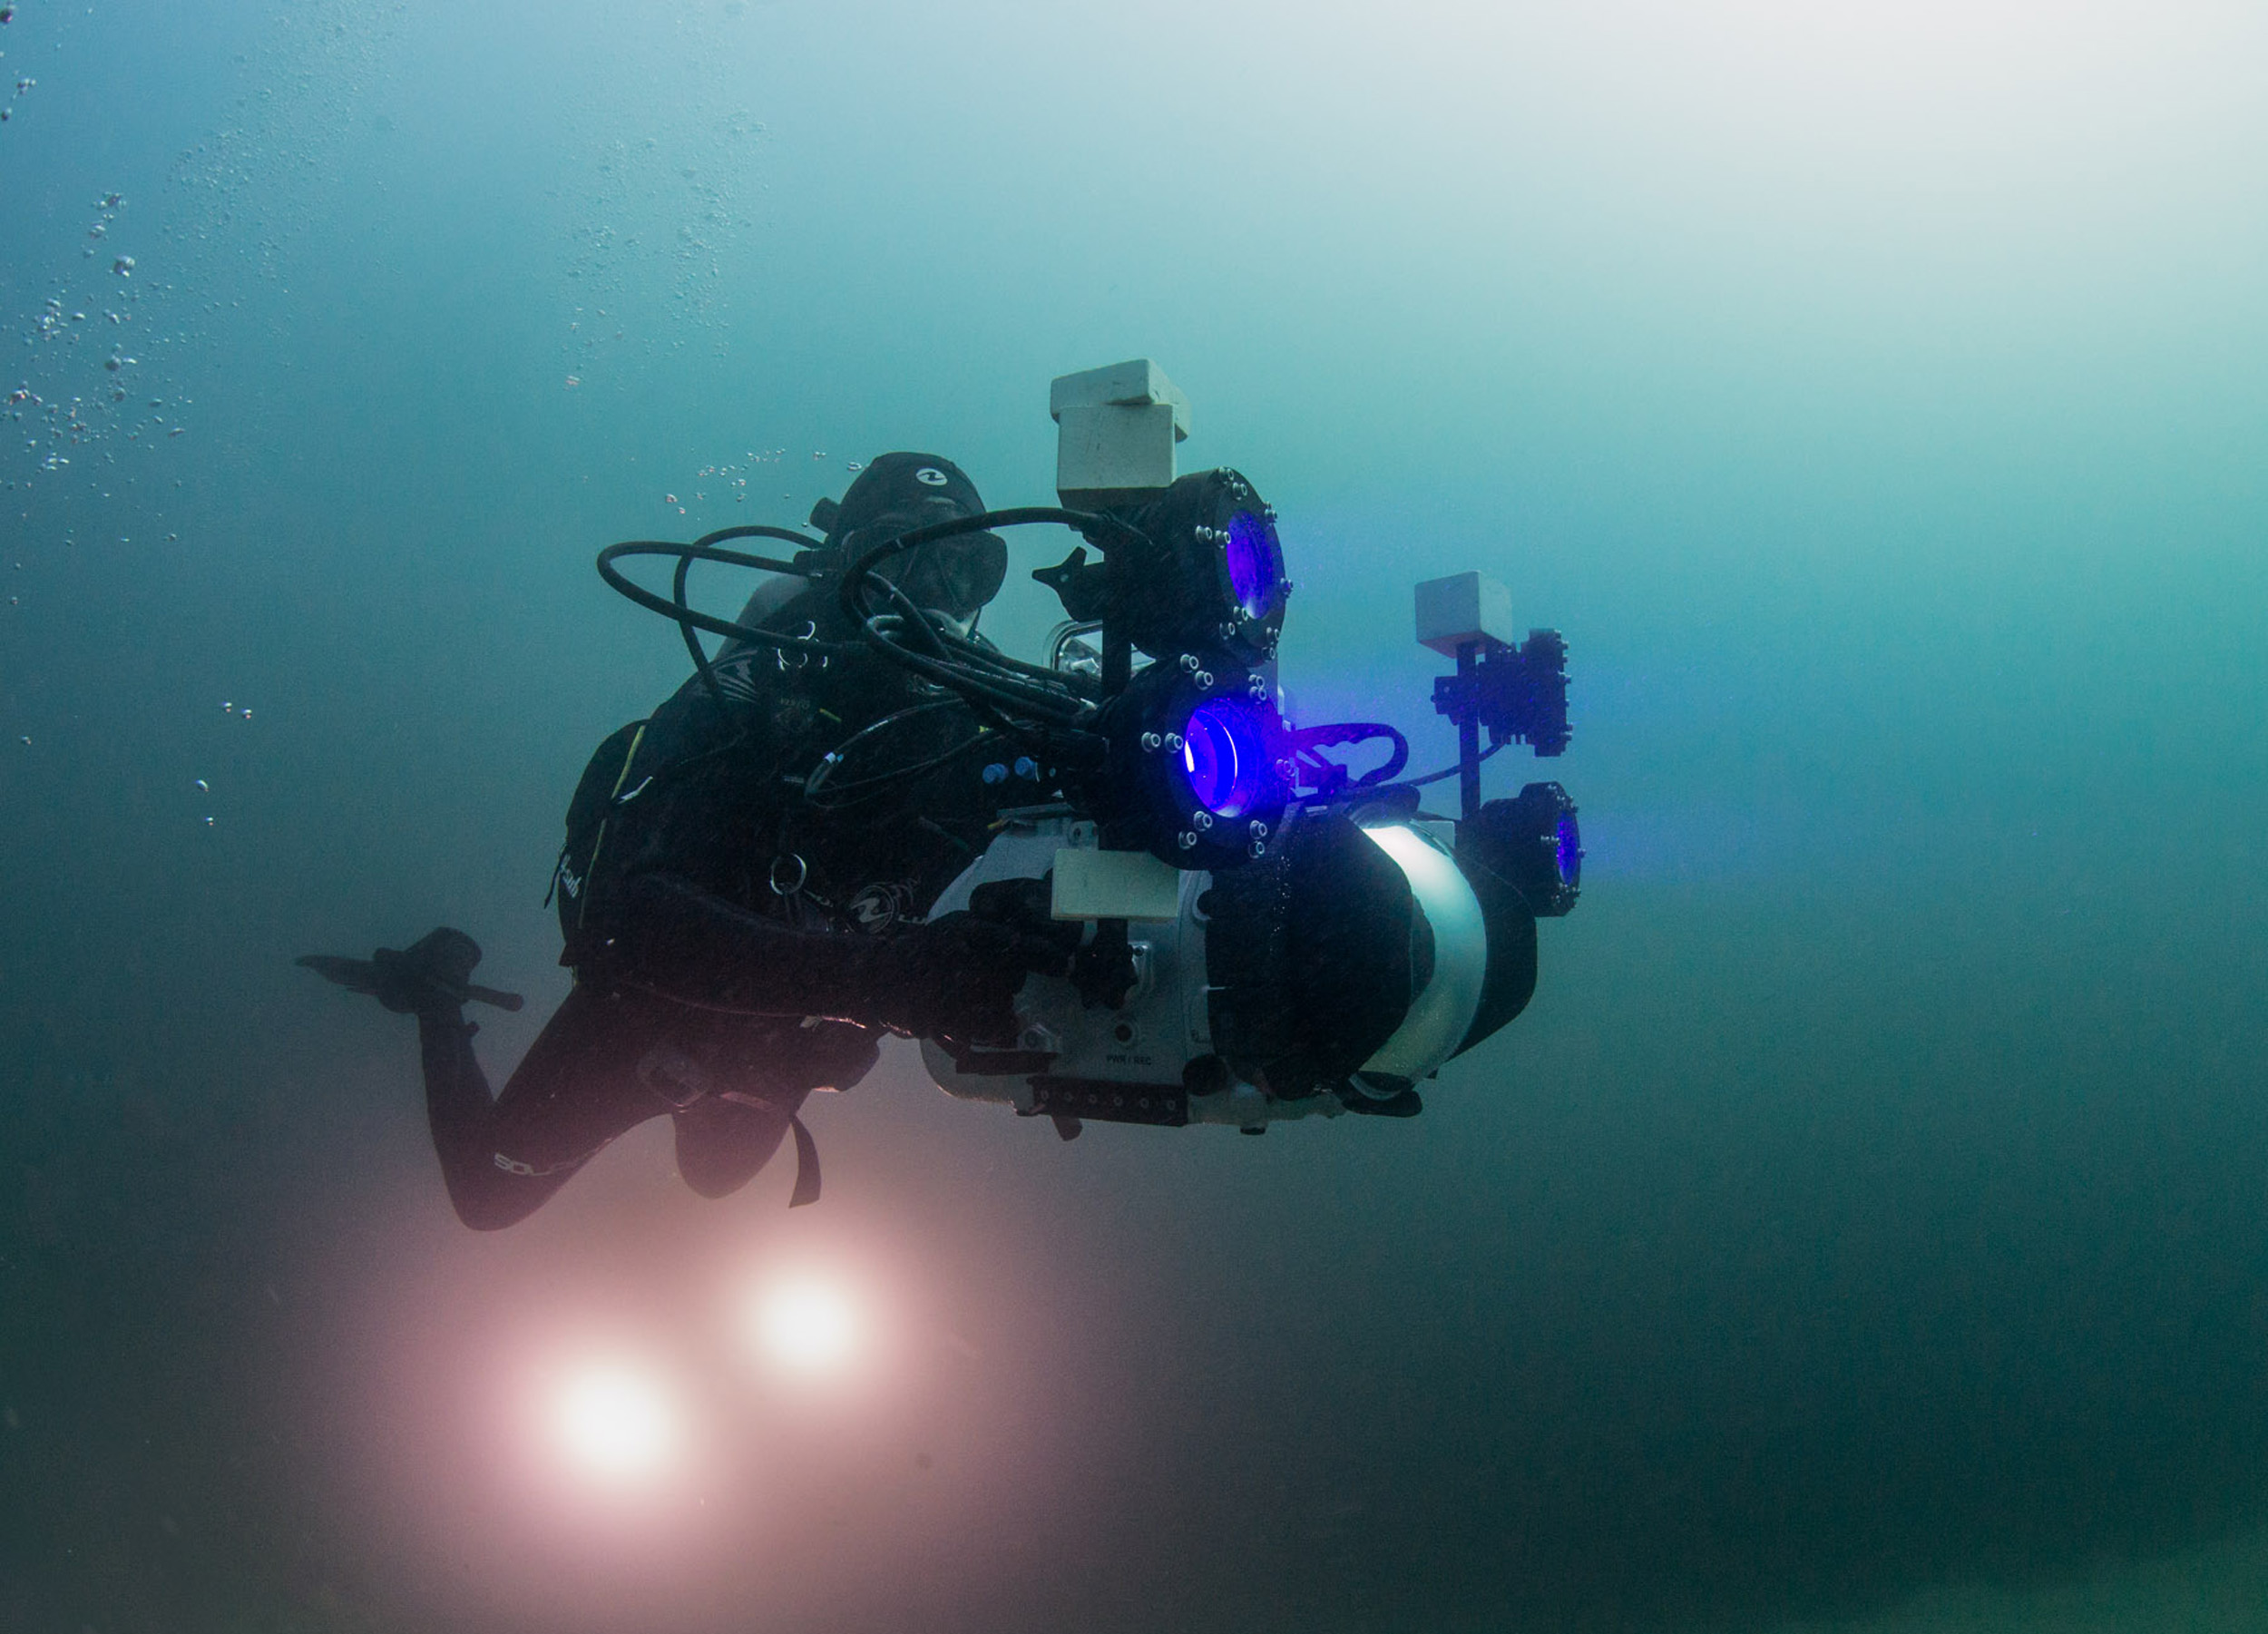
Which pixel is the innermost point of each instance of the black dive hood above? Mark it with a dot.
(898, 492)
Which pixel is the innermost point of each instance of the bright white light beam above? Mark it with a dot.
(808, 1327)
(618, 1421)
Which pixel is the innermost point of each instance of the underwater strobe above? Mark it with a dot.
(1189, 743)
(1270, 934)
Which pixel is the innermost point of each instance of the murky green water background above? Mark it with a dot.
(1865, 1227)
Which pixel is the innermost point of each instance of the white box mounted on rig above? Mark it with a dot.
(1116, 428)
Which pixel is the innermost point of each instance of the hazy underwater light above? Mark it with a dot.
(618, 1420)
(808, 1326)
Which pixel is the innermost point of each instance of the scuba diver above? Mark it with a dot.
(743, 906)
(1120, 884)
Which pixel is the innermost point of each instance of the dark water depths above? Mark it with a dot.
(1866, 1225)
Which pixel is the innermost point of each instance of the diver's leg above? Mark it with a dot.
(486, 1188)
(760, 1069)
(722, 1143)
(575, 1090)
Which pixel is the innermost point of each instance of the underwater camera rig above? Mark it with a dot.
(1271, 935)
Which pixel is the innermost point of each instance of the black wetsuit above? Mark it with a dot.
(730, 918)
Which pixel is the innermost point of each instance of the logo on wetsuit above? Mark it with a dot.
(880, 907)
(733, 679)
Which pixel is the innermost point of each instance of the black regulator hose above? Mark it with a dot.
(979, 673)
(679, 612)
(999, 686)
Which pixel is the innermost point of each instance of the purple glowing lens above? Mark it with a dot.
(1223, 758)
(1569, 850)
(1255, 562)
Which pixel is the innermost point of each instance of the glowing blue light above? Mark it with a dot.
(1224, 757)
(1570, 853)
(1256, 561)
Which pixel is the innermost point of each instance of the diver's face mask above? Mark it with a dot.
(955, 577)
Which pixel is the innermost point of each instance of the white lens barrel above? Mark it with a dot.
(1442, 1013)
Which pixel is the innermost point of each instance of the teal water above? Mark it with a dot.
(1864, 1228)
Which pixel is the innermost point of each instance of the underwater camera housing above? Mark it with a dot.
(1270, 934)
(1300, 940)
(1329, 978)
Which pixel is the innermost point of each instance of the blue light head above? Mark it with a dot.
(1535, 843)
(1253, 557)
(1224, 758)
(1201, 571)
(1193, 772)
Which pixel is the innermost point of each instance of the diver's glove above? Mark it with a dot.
(432, 976)
(955, 978)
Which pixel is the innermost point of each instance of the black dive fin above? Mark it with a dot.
(806, 1166)
(356, 975)
(448, 957)
(439, 962)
